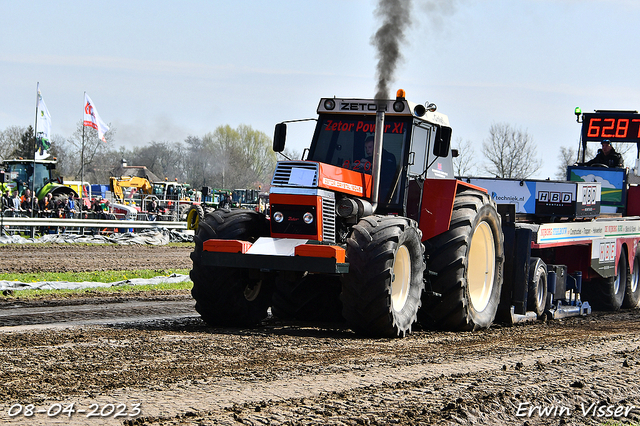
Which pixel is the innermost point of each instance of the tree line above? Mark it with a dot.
(225, 158)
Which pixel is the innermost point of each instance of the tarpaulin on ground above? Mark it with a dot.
(58, 285)
(155, 236)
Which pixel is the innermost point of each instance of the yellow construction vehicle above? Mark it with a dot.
(142, 186)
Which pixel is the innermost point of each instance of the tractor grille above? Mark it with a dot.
(329, 219)
(285, 170)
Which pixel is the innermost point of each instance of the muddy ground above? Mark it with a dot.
(24, 258)
(107, 355)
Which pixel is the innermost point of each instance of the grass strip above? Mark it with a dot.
(32, 294)
(95, 276)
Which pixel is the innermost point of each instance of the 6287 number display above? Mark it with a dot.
(615, 127)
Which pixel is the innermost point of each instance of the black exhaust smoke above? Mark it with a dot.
(396, 19)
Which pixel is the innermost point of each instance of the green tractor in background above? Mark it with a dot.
(20, 174)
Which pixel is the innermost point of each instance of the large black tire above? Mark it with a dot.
(468, 261)
(184, 210)
(308, 298)
(230, 296)
(195, 215)
(632, 292)
(537, 291)
(381, 293)
(607, 294)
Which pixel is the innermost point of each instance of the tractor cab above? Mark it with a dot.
(415, 146)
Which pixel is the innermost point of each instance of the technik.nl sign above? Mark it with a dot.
(529, 196)
(544, 198)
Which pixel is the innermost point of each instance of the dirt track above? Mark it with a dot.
(24, 258)
(183, 372)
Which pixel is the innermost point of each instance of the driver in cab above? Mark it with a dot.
(388, 159)
(387, 168)
(607, 156)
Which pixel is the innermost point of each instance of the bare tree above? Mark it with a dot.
(510, 152)
(567, 157)
(98, 155)
(10, 139)
(200, 164)
(164, 159)
(465, 163)
(240, 158)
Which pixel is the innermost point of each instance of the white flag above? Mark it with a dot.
(43, 125)
(92, 119)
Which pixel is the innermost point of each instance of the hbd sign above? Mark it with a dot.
(554, 197)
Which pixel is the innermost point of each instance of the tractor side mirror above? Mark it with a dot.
(443, 142)
(279, 137)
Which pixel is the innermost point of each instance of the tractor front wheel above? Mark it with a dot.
(230, 296)
(381, 293)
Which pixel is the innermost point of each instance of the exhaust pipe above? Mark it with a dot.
(377, 159)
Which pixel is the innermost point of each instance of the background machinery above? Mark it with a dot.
(372, 228)
(121, 188)
(20, 174)
(173, 199)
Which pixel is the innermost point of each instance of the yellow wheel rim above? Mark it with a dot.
(401, 280)
(193, 219)
(481, 266)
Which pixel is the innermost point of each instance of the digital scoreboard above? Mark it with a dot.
(617, 126)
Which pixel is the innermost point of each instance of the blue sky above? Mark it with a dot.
(165, 70)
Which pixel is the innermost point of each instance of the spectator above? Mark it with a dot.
(96, 207)
(46, 205)
(27, 194)
(16, 201)
(106, 207)
(27, 205)
(71, 207)
(152, 210)
(6, 201)
(58, 208)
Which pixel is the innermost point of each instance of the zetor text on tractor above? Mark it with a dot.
(372, 228)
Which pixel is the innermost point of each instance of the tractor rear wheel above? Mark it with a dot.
(195, 216)
(381, 293)
(230, 296)
(307, 298)
(607, 294)
(468, 262)
(632, 292)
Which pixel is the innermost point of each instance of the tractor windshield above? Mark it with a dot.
(339, 140)
(22, 174)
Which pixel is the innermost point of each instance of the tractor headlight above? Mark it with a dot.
(308, 218)
(278, 217)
